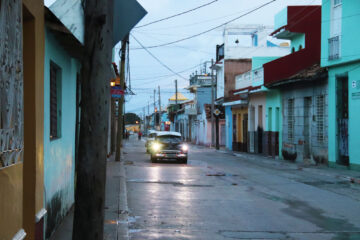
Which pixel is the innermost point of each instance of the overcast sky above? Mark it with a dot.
(147, 73)
(145, 70)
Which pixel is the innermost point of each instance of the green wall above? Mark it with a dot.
(348, 63)
(59, 154)
(350, 33)
(281, 19)
(353, 71)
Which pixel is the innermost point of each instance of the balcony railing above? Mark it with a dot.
(243, 80)
(334, 48)
(258, 75)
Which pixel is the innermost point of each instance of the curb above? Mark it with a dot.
(123, 223)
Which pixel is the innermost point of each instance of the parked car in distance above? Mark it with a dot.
(150, 138)
(169, 145)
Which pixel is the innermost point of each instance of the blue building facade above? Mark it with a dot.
(60, 84)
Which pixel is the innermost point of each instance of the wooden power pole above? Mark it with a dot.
(176, 102)
(159, 107)
(120, 127)
(95, 93)
(212, 104)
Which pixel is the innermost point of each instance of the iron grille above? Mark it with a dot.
(291, 119)
(337, 2)
(334, 48)
(54, 101)
(320, 106)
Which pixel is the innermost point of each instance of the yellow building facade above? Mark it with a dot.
(21, 166)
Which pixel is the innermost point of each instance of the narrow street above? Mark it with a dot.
(221, 196)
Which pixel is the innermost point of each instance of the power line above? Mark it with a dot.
(200, 22)
(163, 64)
(209, 30)
(169, 75)
(176, 15)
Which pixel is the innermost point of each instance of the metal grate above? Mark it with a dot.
(334, 48)
(55, 94)
(320, 110)
(291, 119)
(337, 2)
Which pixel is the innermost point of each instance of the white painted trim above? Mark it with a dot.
(40, 215)
(20, 235)
(235, 103)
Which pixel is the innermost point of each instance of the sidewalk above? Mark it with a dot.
(340, 173)
(116, 211)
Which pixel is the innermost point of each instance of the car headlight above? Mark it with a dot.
(156, 147)
(185, 148)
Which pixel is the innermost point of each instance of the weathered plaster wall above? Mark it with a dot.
(59, 154)
(233, 68)
(22, 184)
(294, 149)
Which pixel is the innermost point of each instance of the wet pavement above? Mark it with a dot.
(221, 196)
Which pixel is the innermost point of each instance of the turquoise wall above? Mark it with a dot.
(297, 40)
(348, 63)
(258, 62)
(228, 127)
(350, 34)
(59, 154)
(353, 71)
(281, 19)
(273, 100)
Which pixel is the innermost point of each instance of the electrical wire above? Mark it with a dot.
(169, 75)
(176, 15)
(197, 23)
(157, 59)
(209, 30)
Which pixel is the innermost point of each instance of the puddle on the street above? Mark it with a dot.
(303, 210)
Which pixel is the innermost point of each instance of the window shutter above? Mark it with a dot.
(53, 102)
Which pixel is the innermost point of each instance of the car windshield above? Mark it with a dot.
(169, 138)
(152, 135)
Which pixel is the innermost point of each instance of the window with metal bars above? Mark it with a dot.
(291, 119)
(55, 101)
(320, 109)
(337, 2)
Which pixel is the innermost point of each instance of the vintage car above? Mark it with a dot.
(169, 145)
(150, 138)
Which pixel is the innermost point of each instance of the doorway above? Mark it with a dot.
(245, 133)
(260, 129)
(343, 119)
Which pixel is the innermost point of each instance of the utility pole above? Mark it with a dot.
(212, 104)
(176, 102)
(159, 108)
(95, 92)
(144, 119)
(154, 108)
(121, 101)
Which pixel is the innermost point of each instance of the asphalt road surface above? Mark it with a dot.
(221, 196)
